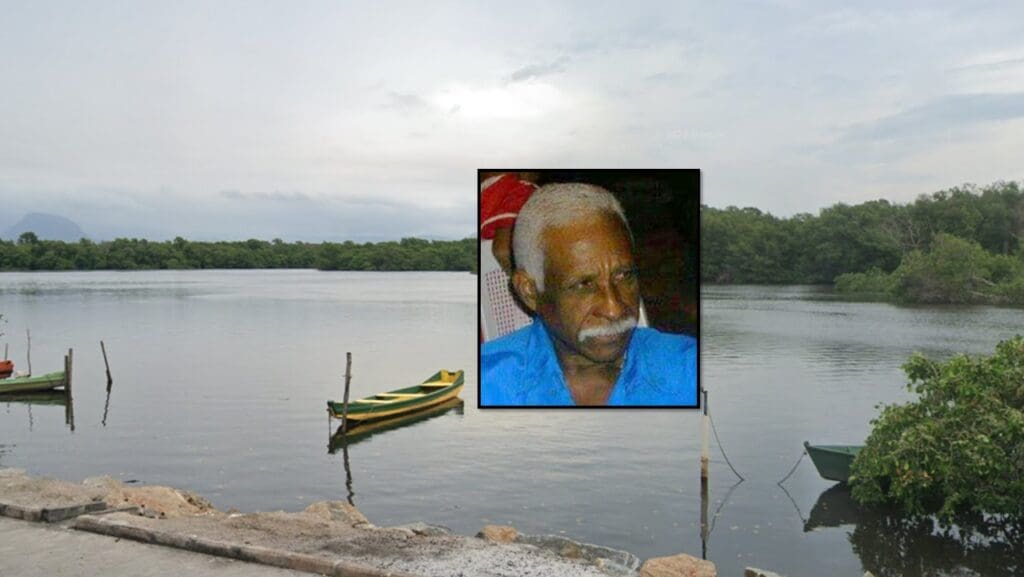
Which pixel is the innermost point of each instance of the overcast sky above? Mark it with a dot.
(329, 120)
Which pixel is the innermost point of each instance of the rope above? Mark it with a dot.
(720, 448)
(793, 469)
(799, 513)
(714, 518)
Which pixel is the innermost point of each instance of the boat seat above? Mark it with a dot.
(435, 384)
(401, 395)
(375, 401)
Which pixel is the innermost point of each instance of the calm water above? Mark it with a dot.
(220, 380)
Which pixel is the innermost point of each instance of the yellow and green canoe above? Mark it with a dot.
(438, 388)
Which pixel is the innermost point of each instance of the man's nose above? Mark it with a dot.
(613, 303)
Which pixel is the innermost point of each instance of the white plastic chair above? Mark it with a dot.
(500, 314)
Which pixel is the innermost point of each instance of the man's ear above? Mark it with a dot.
(526, 289)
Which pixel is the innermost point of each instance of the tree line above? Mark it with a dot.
(957, 245)
(29, 253)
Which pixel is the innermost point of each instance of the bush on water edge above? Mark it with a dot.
(959, 448)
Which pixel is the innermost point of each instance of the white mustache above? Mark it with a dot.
(617, 327)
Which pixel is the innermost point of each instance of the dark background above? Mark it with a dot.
(663, 209)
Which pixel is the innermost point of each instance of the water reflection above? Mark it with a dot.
(706, 529)
(106, 407)
(833, 508)
(363, 432)
(892, 544)
(341, 439)
(44, 398)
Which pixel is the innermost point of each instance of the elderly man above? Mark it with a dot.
(574, 270)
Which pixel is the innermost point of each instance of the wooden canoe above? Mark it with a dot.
(438, 388)
(833, 461)
(32, 384)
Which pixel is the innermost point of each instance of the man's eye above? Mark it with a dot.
(626, 275)
(582, 285)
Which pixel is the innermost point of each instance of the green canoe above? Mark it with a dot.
(32, 384)
(833, 461)
(438, 388)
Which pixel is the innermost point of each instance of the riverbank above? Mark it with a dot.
(328, 537)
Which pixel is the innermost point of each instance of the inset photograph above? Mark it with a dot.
(589, 288)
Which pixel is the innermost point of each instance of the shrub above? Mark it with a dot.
(959, 447)
(873, 281)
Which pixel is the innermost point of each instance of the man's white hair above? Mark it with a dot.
(556, 205)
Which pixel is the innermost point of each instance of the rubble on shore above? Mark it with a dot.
(328, 537)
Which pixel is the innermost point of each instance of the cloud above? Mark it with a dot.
(276, 196)
(406, 102)
(533, 71)
(953, 111)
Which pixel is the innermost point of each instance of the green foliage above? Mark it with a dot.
(955, 271)
(30, 253)
(873, 282)
(745, 245)
(959, 447)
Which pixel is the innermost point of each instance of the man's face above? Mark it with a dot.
(590, 284)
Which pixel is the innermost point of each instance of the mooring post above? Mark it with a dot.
(5, 351)
(344, 405)
(704, 439)
(110, 381)
(69, 370)
(28, 351)
(69, 401)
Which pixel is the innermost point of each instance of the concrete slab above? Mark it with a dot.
(39, 550)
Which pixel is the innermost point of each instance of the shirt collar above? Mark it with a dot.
(547, 370)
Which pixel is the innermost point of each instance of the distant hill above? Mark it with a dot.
(46, 227)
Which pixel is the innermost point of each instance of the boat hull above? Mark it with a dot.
(439, 388)
(32, 384)
(833, 461)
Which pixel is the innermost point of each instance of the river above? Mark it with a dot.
(221, 378)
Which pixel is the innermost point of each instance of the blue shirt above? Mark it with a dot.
(521, 369)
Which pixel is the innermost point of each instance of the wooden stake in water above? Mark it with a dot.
(68, 370)
(69, 402)
(704, 440)
(348, 379)
(28, 352)
(110, 381)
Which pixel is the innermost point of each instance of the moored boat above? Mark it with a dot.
(833, 461)
(33, 384)
(438, 388)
